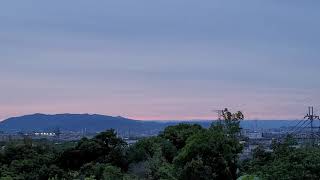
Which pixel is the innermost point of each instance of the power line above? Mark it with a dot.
(301, 128)
(293, 128)
(308, 121)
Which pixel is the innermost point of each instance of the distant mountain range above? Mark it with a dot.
(72, 122)
(96, 123)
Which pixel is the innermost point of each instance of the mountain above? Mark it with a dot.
(96, 123)
(73, 122)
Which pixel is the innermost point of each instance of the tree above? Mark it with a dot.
(216, 152)
(112, 173)
(158, 168)
(146, 148)
(213, 152)
(196, 169)
(285, 162)
(24, 160)
(106, 147)
(230, 122)
(150, 158)
(179, 134)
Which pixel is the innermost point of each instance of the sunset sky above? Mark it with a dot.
(160, 60)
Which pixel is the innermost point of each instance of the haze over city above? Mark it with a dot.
(159, 60)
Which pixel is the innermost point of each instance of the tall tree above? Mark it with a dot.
(213, 152)
(179, 134)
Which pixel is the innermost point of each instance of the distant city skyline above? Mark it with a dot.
(160, 60)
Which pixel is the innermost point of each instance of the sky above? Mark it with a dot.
(160, 60)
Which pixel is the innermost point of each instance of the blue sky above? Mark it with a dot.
(160, 59)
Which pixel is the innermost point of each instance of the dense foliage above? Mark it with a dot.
(181, 152)
(286, 162)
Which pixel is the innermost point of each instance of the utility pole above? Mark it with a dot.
(311, 117)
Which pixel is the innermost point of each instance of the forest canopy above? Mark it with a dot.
(184, 151)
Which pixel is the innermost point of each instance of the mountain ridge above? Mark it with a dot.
(98, 122)
(67, 121)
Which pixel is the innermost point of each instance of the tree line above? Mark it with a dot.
(180, 152)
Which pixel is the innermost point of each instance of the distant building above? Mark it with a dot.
(251, 134)
(254, 135)
(45, 134)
